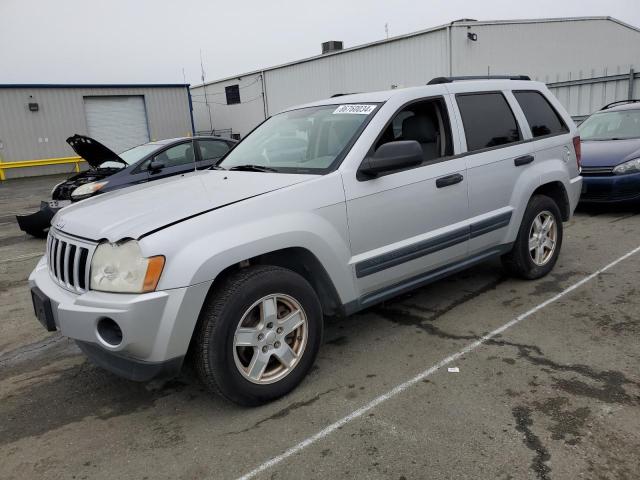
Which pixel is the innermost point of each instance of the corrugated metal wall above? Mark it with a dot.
(547, 50)
(241, 118)
(406, 62)
(585, 95)
(27, 135)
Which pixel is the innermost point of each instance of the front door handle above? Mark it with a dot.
(449, 180)
(518, 162)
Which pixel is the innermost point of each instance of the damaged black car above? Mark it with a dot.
(110, 171)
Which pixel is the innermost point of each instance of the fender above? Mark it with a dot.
(198, 249)
(540, 173)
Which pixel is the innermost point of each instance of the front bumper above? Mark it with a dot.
(37, 223)
(130, 368)
(156, 327)
(611, 189)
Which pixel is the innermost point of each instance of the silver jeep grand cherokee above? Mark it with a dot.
(324, 209)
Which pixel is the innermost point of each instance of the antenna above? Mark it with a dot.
(206, 100)
(386, 30)
(184, 77)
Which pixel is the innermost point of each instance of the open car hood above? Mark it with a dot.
(93, 151)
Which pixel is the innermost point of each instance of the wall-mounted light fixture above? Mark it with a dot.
(33, 107)
(472, 36)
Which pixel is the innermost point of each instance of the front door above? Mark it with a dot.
(178, 159)
(406, 223)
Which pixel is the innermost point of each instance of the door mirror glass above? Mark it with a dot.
(392, 156)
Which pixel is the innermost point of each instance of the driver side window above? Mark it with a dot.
(426, 122)
(181, 154)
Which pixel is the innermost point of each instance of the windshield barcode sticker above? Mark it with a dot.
(357, 109)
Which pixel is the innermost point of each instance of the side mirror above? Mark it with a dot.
(392, 156)
(155, 166)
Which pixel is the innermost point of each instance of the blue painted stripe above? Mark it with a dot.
(95, 85)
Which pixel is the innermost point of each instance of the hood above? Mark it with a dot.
(93, 151)
(135, 211)
(609, 153)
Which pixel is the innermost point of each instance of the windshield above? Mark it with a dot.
(618, 125)
(136, 154)
(308, 140)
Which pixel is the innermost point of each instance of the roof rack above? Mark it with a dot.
(439, 80)
(609, 105)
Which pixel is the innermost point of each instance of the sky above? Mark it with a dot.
(155, 41)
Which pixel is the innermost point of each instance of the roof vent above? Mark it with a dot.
(331, 46)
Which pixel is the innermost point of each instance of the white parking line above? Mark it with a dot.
(424, 374)
(22, 257)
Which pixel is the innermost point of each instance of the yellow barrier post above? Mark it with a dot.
(39, 163)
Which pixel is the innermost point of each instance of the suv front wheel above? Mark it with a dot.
(258, 335)
(537, 246)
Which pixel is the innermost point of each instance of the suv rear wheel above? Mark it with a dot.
(537, 246)
(258, 335)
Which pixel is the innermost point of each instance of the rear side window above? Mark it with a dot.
(212, 149)
(488, 120)
(541, 116)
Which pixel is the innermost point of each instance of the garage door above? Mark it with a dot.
(119, 122)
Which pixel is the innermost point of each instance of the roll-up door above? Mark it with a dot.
(118, 122)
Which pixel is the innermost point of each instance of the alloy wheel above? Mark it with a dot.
(543, 236)
(270, 339)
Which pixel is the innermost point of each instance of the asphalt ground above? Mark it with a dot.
(548, 385)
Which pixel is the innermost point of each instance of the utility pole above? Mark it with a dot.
(204, 87)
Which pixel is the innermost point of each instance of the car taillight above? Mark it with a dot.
(578, 149)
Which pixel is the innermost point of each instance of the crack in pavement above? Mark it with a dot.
(524, 423)
(285, 411)
(31, 350)
(435, 314)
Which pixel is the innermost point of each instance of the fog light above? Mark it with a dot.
(109, 332)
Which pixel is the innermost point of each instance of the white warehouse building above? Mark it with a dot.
(586, 61)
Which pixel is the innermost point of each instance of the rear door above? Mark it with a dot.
(497, 155)
(553, 140)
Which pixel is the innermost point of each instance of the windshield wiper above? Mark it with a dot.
(253, 168)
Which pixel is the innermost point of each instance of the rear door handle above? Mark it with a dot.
(449, 180)
(518, 162)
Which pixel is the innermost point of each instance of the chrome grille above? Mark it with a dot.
(69, 260)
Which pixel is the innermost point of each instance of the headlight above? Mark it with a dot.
(632, 166)
(87, 189)
(56, 186)
(120, 267)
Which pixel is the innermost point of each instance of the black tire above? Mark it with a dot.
(213, 347)
(518, 261)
